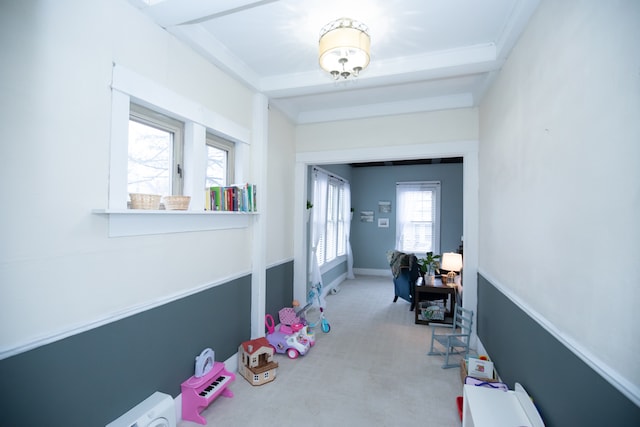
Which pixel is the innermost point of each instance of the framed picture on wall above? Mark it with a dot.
(384, 206)
(366, 216)
(383, 222)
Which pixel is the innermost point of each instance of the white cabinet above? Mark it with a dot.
(486, 407)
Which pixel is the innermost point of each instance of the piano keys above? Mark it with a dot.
(199, 392)
(215, 384)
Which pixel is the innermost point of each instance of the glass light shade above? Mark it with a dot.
(451, 261)
(344, 48)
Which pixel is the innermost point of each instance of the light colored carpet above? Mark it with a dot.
(372, 369)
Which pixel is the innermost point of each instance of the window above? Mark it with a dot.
(184, 165)
(418, 217)
(332, 220)
(319, 204)
(332, 234)
(342, 241)
(154, 153)
(220, 161)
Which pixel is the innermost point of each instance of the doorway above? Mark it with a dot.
(468, 150)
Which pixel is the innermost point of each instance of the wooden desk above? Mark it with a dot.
(431, 293)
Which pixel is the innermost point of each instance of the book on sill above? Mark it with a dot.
(231, 198)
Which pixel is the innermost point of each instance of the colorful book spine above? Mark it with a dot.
(238, 198)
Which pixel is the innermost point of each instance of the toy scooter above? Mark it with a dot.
(314, 302)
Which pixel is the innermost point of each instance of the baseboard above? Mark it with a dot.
(372, 272)
(334, 286)
(178, 407)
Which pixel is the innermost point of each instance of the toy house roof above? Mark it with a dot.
(253, 346)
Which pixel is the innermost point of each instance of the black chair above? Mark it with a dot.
(405, 270)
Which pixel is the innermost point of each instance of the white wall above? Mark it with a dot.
(405, 129)
(59, 270)
(560, 182)
(280, 169)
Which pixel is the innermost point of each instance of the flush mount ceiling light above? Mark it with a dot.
(344, 48)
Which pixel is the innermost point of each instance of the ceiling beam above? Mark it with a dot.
(464, 100)
(449, 63)
(215, 52)
(169, 13)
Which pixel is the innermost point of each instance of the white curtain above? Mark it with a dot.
(403, 216)
(346, 212)
(318, 220)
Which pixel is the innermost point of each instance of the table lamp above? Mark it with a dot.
(452, 262)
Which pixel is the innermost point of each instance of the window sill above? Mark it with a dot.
(139, 222)
(328, 266)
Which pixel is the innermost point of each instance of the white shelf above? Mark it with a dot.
(167, 212)
(140, 222)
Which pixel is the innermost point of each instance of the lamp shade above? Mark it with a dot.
(451, 261)
(344, 48)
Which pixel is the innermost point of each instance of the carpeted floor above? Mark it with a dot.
(370, 370)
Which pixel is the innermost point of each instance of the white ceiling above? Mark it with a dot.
(425, 54)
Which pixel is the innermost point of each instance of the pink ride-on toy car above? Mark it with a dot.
(284, 339)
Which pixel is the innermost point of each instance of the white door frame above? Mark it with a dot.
(468, 150)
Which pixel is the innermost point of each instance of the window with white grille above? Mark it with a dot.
(418, 217)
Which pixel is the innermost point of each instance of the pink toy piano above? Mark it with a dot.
(198, 393)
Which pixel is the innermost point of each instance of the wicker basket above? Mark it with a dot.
(145, 201)
(178, 203)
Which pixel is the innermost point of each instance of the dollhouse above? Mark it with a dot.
(255, 361)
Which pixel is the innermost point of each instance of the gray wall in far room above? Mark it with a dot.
(372, 184)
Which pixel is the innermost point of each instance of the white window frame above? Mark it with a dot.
(341, 249)
(403, 212)
(331, 226)
(332, 249)
(168, 124)
(129, 87)
(228, 146)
